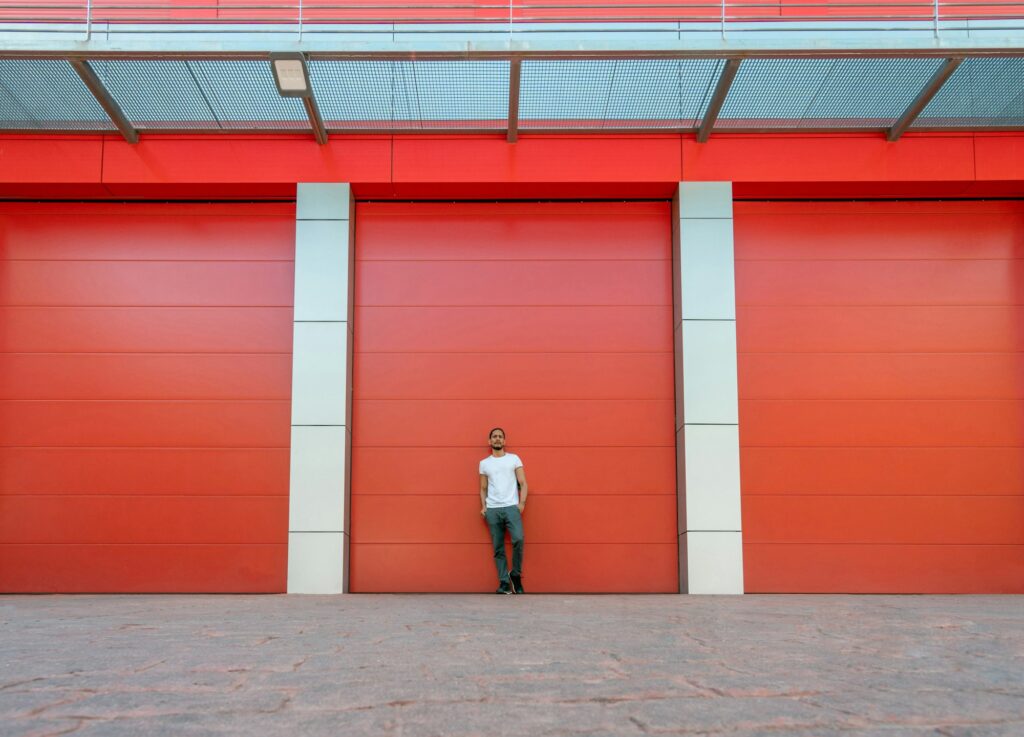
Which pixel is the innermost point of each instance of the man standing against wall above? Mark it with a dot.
(502, 501)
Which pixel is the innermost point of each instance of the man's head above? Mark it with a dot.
(496, 438)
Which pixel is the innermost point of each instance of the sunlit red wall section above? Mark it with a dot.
(551, 320)
(881, 387)
(145, 379)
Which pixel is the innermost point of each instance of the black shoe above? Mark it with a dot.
(505, 588)
(517, 585)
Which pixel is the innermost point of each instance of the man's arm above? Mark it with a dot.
(521, 478)
(483, 495)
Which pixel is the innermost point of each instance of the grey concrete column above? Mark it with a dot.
(707, 406)
(318, 509)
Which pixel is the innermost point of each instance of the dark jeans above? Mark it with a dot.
(498, 519)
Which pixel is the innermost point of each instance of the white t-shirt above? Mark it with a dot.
(502, 489)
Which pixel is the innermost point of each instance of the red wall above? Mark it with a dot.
(551, 320)
(145, 379)
(537, 167)
(881, 387)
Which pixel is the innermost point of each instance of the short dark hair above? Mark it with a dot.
(496, 428)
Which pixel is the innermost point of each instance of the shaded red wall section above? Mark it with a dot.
(145, 381)
(551, 320)
(881, 384)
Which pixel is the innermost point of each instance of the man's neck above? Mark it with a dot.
(498, 453)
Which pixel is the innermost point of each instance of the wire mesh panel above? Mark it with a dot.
(983, 92)
(616, 93)
(47, 94)
(157, 94)
(823, 93)
(411, 95)
(200, 94)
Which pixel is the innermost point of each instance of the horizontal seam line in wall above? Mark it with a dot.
(503, 260)
(880, 399)
(147, 544)
(317, 532)
(475, 494)
(153, 306)
(514, 305)
(153, 260)
(894, 353)
(516, 353)
(149, 447)
(872, 260)
(146, 495)
(145, 353)
(146, 307)
(517, 399)
(178, 400)
(892, 495)
(944, 545)
(487, 543)
(885, 447)
(892, 305)
(483, 449)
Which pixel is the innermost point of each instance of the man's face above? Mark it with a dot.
(497, 440)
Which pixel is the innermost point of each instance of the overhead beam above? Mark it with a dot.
(924, 97)
(514, 74)
(717, 99)
(103, 97)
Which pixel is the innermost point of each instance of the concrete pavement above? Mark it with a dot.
(813, 666)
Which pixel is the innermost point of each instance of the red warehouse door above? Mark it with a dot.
(881, 380)
(145, 371)
(553, 321)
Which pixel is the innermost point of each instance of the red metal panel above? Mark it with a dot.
(830, 158)
(47, 329)
(137, 569)
(881, 396)
(565, 470)
(243, 159)
(146, 284)
(536, 422)
(142, 520)
(932, 282)
(889, 329)
(144, 397)
(455, 518)
(536, 159)
(911, 422)
(882, 375)
(552, 320)
(146, 423)
(884, 569)
(471, 328)
(144, 375)
(513, 283)
(883, 470)
(642, 568)
(221, 471)
(520, 375)
(937, 520)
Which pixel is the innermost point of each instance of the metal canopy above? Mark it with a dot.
(516, 96)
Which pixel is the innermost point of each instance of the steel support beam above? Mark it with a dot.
(717, 99)
(315, 121)
(108, 103)
(924, 97)
(514, 74)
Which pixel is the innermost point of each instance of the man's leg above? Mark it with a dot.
(496, 524)
(515, 529)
